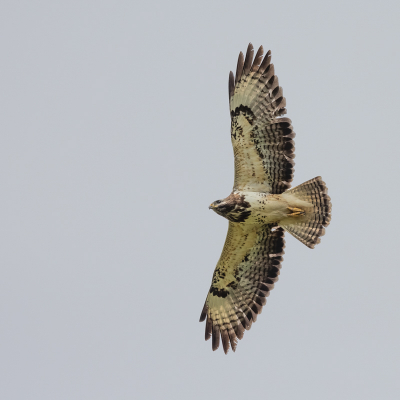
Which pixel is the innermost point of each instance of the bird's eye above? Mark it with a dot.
(218, 202)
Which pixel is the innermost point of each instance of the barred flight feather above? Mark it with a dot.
(263, 143)
(254, 276)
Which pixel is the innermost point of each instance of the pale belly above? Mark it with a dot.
(266, 208)
(251, 209)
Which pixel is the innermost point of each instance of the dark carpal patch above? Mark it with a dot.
(218, 292)
(236, 129)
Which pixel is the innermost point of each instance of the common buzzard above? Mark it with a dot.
(261, 206)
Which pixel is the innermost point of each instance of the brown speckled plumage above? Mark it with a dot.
(260, 207)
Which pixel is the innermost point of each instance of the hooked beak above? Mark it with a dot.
(211, 206)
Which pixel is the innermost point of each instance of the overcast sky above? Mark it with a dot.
(115, 138)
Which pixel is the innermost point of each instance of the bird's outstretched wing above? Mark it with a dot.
(262, 142)
(245, 274)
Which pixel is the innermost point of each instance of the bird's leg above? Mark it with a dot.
(296, 212)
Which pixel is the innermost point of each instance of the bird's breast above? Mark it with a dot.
(265, 208)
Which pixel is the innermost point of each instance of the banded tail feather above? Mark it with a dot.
(310, 227)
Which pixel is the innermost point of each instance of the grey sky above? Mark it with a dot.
(115, 139)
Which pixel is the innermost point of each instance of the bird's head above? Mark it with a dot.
(222, 207)
(234, 208)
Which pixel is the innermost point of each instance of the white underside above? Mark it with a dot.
(270, 208)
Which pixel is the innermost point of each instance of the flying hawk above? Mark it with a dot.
(261, 206)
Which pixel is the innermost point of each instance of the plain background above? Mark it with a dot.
(115, 138)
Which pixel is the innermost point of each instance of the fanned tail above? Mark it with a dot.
(310, 227)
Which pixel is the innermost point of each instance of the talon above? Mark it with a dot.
(296, 212)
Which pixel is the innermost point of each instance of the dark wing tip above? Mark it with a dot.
(249, 59)
(265, 62)
(208, 330)
(257, 59)
(215, 337)
(245, 65)
(231, 84)
(239, 68)
(203, 313)
(226, 344)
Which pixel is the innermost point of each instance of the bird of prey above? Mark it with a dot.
(261, 206)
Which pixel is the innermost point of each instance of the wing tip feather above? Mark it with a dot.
(239, 68)
(231, 84)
